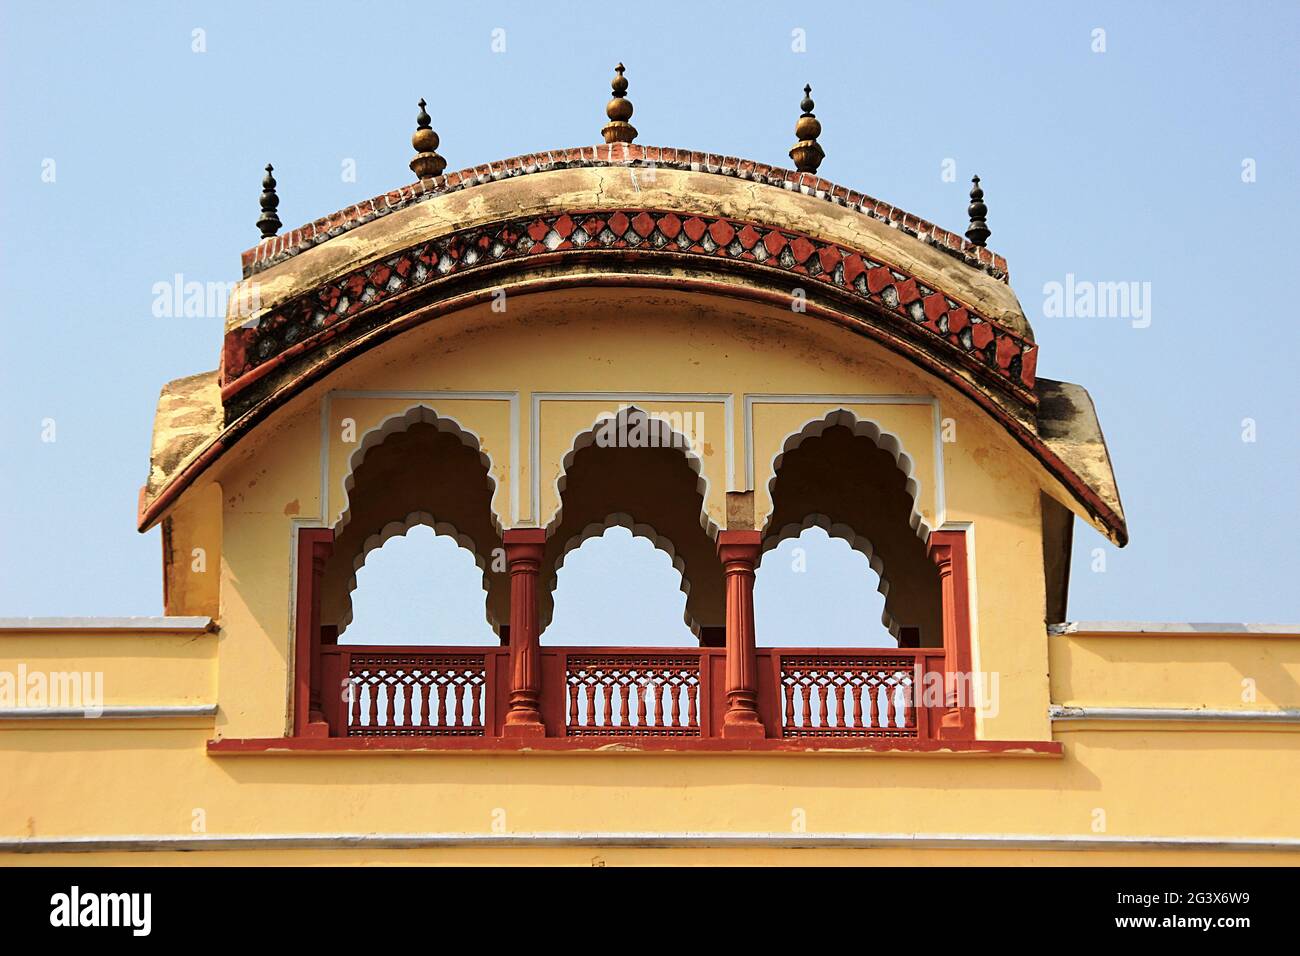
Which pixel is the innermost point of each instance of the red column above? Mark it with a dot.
(315, 545)
(739, 553)
(948, 551)
(524, 557)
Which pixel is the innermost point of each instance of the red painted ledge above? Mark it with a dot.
(623, 745)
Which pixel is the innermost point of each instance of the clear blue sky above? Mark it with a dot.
(1117, 166)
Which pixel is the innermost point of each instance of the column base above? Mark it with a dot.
(748, 727)
(316, 728)
(523, 728)
(957, 724)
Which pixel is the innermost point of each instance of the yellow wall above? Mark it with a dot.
(88, 778)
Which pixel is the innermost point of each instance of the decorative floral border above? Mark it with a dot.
(934, 315)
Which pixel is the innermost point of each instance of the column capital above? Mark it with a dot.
(523, 546)
(524, 536)
(739, 547)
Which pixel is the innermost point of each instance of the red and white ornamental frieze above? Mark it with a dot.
(355, 302)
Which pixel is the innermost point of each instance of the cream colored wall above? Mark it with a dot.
(1156, 782)
(526, 382)
(81, 777)
(548, 368)
(1212, 671)
(155, 779)
(192, 571)
(137, 668)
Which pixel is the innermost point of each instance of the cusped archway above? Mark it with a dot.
(632, 469)
(857, 483)
(418, 468)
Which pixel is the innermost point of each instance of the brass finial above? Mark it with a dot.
(427, 162)
(619, 111)
(978, 232)
(269, 222)
(807, 153)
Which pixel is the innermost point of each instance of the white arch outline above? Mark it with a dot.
(863, 428)
(400, 422)
(667, 437)
(587, 437)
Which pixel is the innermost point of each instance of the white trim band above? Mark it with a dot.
(108, 713)
(1157, 627)
(668, 840)
(150, 626)
(1059, 712)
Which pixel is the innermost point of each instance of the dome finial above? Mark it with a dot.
(978, 231)
(269, 222)
(619, 111)
(427, 162)
(807, 152)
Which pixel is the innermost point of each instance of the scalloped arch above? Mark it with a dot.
(863, 428)
(396, 529)
(639, 530)
(846, 533)
(675, 439)
(417, 413)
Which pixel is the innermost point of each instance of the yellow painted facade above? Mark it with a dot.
(524, 385)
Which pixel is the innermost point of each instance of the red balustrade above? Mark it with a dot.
(408, 691)
(859, 693)
(397, 691)
(632, 695)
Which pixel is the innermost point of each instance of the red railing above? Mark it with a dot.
(403, 691)
(862, 693)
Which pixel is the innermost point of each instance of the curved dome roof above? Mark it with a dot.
(627, 215)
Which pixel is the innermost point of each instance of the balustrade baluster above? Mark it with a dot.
(372, 705)
(442, 700)
(403, 679)
(607, 686)
(453, 692)
(390, 699)
(651, 711)
(644, 714)
(857, 701)
(692, 717)
(624, 703)
(571, 716)
(909, 714)
(674, 709)
(424, 698)
(874, 703)
(889, 704)
(476, 712)
(590, 704)
(823, 685)
(800, 715)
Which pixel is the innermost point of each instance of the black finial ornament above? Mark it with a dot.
(978, 231)
(269, 222)
(427, 163)
(807, 153)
